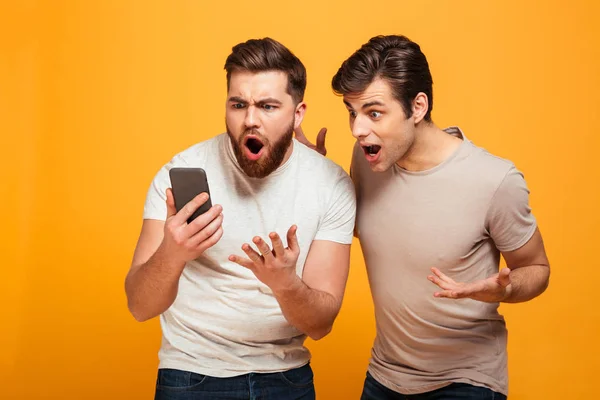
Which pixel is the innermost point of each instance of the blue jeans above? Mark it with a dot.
(295, 384)
(374, 390)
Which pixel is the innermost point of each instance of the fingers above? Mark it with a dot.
(244, 262)
(292, 239)
(264, 248)
(187, 210)
(491, 289)
(320, 147)
(443, 284)
(265, 254)
(452, 290)
(207, 231)
(212, 240)
(254, 258)
(441, 275)
(277, 244)
(449, 294)
(321, 141)
(171, 210)
(253, 255)
(203, 220)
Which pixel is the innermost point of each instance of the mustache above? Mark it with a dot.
(253, 132)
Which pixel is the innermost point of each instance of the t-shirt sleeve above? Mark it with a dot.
(155, 206)
(338, 223)
(510, 221)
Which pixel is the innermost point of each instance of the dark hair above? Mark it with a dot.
(259, 55)
(397, 60)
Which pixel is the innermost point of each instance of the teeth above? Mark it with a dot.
(371, 150)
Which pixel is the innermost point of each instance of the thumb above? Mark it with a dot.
(292, 239)
(171, 210)
(504, 277)
(321, 141)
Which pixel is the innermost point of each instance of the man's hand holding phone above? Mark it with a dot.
(187, 241)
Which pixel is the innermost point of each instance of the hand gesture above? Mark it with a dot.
(491, 290)
(275, 267)
(320, 147)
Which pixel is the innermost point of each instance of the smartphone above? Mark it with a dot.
(186, 184)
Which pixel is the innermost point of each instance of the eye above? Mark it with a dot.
(352, 114)
(269, 107)
(375, 114)
(238, 106)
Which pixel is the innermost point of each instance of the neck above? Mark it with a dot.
(431, 147)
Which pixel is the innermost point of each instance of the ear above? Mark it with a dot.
(420, 106)
(299, 114)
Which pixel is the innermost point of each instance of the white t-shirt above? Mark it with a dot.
(224, 321)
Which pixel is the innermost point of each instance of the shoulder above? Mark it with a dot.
(487, 169)
(318, 166)
(490, 161)
(197, 154)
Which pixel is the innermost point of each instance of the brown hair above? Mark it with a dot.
(397, 60)
(259, 55)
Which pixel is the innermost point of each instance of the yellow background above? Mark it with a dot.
(95, 96)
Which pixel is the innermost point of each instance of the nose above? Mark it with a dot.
(251, 119)
(360, 128)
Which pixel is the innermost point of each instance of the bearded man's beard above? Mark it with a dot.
(274, 152)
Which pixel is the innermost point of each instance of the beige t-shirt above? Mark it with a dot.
(457, 217)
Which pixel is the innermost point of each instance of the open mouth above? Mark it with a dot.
(371, 151)
(254, 147)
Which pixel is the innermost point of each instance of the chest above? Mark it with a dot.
(253, 208)
(420, 222)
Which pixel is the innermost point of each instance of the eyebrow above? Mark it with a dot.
(235, 99)
(366, 105)
(271, 100)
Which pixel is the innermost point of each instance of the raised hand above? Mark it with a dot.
(493, 289)
(320, 147)
(274, 267)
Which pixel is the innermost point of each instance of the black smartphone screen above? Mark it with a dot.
(186, 184)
